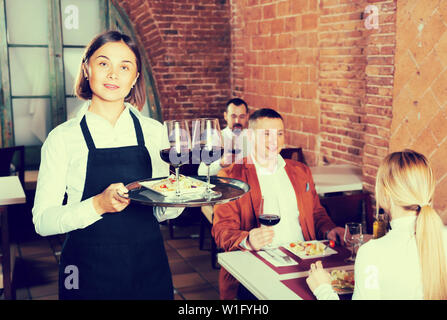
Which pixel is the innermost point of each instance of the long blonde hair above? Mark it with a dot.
(406, 180)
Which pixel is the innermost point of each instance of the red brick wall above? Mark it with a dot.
(420, 99)
(189, 45)
(317, 63)
(275, 56)
(342, 80)
(379, 81)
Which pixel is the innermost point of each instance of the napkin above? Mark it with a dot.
(277, 260)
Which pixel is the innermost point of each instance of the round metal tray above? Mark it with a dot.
(231, 189)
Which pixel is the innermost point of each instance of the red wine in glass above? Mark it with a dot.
(269, 219)
(212, 154)
(176, 159)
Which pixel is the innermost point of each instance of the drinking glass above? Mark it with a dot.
(354, 238)
(208, 139)
(269, 215)
(179, 151)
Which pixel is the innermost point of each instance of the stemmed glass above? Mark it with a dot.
(269, 215)
(354, 238)
(207, 138)
(179, 151)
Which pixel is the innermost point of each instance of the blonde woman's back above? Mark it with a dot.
(389, 268)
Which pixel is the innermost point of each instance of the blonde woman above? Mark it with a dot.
(410, 261)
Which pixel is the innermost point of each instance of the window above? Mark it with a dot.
(42, 42)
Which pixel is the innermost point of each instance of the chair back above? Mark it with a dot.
(294, 154)
(350, 208)
(7, 157)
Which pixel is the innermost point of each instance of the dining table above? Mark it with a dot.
(267, 281)
(337, 178)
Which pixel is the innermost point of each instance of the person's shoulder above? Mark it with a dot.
(146, 122)
(299, 166)
(65, 128)
(376, 247)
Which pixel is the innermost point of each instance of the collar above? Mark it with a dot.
(404, 224)
(280, 164)
(84, 110)
(227, 131)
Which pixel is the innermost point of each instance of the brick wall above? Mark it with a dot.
(342, 80)
(379, 81)
(316, 63)
(275, 56)
(420, 99)
(188, 44)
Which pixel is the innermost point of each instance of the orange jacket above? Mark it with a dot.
(233, 220)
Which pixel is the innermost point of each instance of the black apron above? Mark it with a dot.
(121, 256)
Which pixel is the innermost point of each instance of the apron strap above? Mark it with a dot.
(87, 136)
(138, 130)
(89, 140)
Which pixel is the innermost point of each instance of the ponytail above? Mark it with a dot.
(429, 240)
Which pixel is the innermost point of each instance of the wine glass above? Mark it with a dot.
(269, 214)
(353, 237)
(179, 151)
(208, 139)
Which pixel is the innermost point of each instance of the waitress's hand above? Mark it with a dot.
(110, 200)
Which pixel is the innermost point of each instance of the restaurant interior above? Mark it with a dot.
(353, 80)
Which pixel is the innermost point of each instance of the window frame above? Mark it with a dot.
(114, 18)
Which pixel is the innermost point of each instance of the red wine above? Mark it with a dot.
(175, 158)
(211, 155)
(269, 219)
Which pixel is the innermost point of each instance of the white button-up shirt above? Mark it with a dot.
(64, 162)
(387, 268)
(279, 197)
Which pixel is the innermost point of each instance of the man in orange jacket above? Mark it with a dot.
(286, 185)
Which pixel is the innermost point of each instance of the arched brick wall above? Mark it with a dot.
(188, 45)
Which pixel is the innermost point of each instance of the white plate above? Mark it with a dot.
(345, 286)
(201, 187)
(328, 251)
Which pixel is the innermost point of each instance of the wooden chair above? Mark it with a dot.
(294, 154)
(15, 156)
(355, 207)
(7, 254)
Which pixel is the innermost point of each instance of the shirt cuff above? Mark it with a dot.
(244, 244)
(87, 213)
(325, 292)
(165, 213)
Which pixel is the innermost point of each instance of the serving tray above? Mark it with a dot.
(231, 189)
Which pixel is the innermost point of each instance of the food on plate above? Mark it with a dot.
(169, 184)
(342, 281)
(308, 248)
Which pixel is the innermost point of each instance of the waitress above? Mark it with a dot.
(114, 248)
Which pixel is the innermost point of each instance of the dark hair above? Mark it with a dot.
(264, 113)
(237, 102)
(137, 95)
